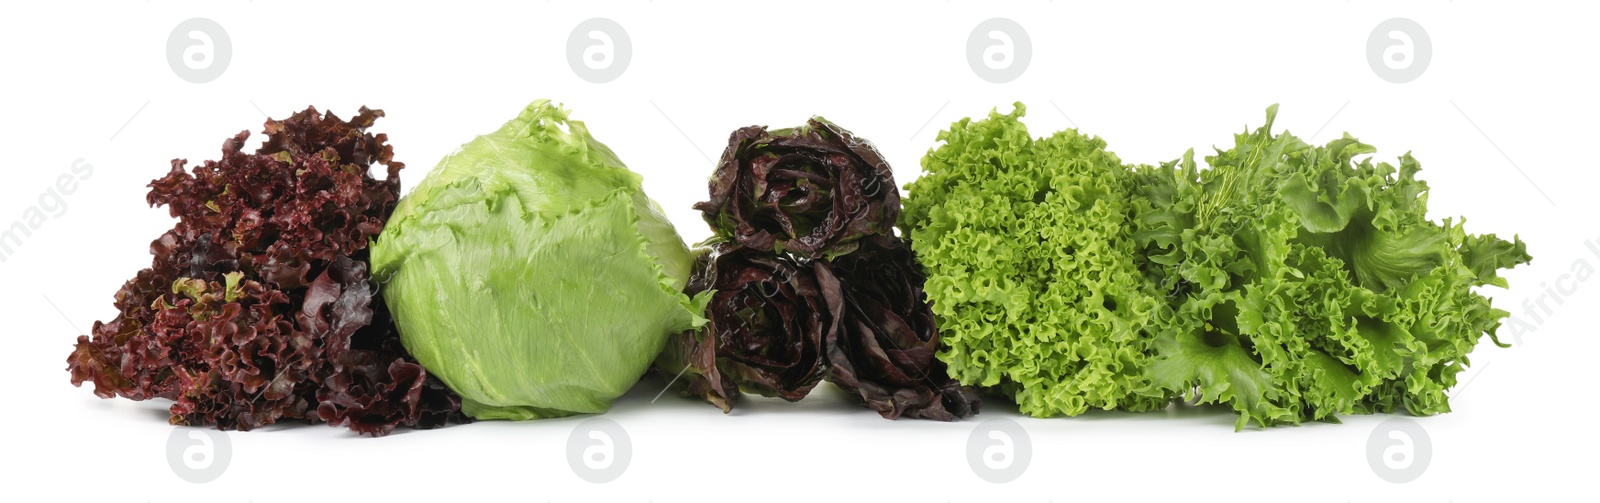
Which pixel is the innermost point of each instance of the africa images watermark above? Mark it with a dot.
(52, 204)
(599, 450)
(1538, 310)
(999, 450)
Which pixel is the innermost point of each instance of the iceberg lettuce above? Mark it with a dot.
(530, 272)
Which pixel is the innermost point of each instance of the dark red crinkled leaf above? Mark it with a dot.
(809, 217)
(689, 363)
(883, 351)
(812, 191)
(375, 387)
(257, 306)
(768, 318)
(689, 360)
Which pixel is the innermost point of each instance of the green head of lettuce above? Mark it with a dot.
(530, 272)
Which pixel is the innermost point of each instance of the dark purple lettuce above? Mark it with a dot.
(258, 305)
(812, 191)
(883, 351)
(767, 320)
(810, 282)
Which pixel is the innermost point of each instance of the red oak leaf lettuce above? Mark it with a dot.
(258, 305)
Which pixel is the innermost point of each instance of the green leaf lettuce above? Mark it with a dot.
(1031, 267)
(1308, 282)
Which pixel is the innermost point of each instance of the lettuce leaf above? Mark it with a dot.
(1308, 282)
(1287, 281)
(257, 307)
(1031, 267)
(530, 272)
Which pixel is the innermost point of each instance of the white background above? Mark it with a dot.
(91, 81)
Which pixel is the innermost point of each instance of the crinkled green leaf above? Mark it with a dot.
(1215, 362)
(1031, 269)
(1348, 297)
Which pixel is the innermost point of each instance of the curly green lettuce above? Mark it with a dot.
(1032, 270)
(1307, 282)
